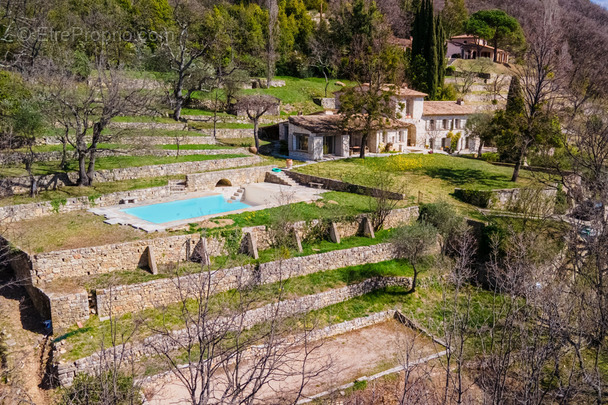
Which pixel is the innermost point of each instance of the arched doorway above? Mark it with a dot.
(223, 183)
(411, 136)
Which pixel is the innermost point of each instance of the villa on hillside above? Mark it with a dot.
(472, 47)
(419, 125)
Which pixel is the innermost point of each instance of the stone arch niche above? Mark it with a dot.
(223, 183)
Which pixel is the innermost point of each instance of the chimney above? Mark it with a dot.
(460, 101)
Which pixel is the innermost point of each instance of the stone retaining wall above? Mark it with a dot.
(13, 158)
(532, 200)
(338, 185)
(20, 185)
(137, 297)
(130, 255)
(205, 181)
(67, 371)
(68, 308)
(178, 126)
(22, 212)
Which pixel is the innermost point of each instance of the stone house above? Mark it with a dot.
(472, 47)
(417, 125)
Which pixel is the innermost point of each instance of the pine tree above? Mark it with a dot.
(454, 16)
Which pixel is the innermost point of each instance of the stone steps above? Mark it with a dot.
(238, 195)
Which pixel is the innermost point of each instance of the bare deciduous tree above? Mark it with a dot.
(255, 106)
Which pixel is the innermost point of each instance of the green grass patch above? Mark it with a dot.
(220, 125)
(195, 147)
(428, 177)
(145, 118)
(297, 93)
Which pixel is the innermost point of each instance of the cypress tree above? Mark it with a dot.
(431, 55)
(515, 100)
(441, 51)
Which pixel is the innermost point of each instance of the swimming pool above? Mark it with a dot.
(184, 209)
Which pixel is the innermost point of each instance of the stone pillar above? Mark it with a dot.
(252, 246)
(334, 234)
(368, 229)
(188, 249)
(151, 260)
(203, 252)
(298, 241)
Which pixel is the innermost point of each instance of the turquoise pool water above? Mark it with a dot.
(184, 209)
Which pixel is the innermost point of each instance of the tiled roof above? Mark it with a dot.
(332, 123)
(401, 91)
(446, 108)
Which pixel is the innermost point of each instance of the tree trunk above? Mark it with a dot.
(83, 179)
(414, 279)
(326, 82)
(178, 94)
(479, 150)
(520, 161)
(255, 136)
(363, 144)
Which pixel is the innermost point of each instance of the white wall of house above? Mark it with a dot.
(292, 142)
(314, 151)
(437, 127)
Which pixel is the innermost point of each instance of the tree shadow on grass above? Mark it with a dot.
(463, 177)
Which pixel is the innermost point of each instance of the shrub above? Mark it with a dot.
(106, 389)
(478, 198)
(445, 218)
(490, 156)
(449, 71)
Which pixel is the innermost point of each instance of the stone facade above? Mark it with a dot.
(68, 308)
(338, 185)
(20, 185)
(67, 371)
(205, 181)
(156, 293)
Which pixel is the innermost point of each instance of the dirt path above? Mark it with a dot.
(339, 360)
(25, 341)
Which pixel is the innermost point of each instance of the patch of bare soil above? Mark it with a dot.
(339, 360)
(26, 344)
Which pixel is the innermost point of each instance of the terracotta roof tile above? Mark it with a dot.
(446, 108)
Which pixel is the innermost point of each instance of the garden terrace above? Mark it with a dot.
(82, 229)
(432, 177)
(81, 342)
(142, 275)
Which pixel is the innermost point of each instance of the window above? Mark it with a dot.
(432, 125)
(301, 141)
(457, 124)
(446, 124)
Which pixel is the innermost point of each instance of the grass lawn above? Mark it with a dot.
(194, 147)
(297, 93)
(68, 231)
(435, 176)
(85, 341)
(220, 125)
(334, 204)
(113, 162)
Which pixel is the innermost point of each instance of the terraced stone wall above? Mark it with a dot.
(137, 297)
(20, 185)
(66, 371)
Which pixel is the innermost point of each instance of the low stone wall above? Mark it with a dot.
(229, 133)
(338, 185)
(68, 308)
(205, 181)
(178, 126)
(137, 297)
(67, 371)
(20, 185)
(13, 158)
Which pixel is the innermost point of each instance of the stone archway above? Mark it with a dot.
(223, 183)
